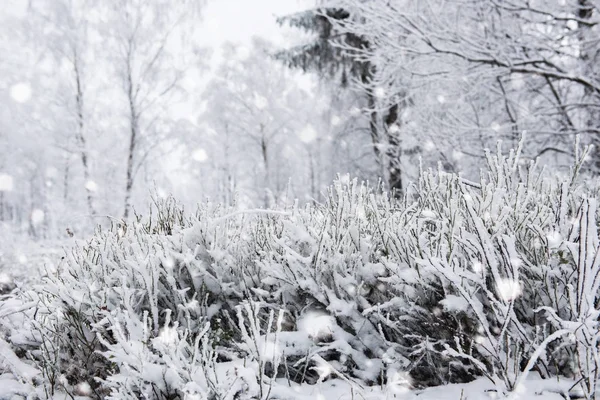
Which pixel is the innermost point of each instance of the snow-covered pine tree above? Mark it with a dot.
(336, 55)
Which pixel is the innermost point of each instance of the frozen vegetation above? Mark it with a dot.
(292, 199)
(487, 287)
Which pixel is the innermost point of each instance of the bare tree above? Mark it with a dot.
(147, 70)
(61, 32)
(473, 72)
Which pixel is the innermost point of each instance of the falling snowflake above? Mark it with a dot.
(429, 145)
(5, 279)
(477, 267)
(509, 289)
(572, 24)
(91, 186)
(160, 192)
(394, 128)
(6, 183)
(242, 53)
(51, 172)
(457, 155)
(516, 262)
(351, 289)
(200, 155)
(169, 262)
(21, 92)
(37, 216)
(308, 134)
(83, 389)
(260, 102)
(441, 99)
(517, 82)
(335, 120)
(379, 92)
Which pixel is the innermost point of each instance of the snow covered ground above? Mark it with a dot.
(481, 389)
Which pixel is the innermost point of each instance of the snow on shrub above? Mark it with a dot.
(455, 280)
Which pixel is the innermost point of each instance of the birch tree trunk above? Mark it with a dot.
(81, 140)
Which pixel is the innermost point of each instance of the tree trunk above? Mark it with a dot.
(80, 133)
(133, 137)
(66, 180)
(265, 155)
(394, 152)
(585, 35)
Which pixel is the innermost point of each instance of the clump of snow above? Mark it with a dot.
(168, 335)
(430, 214)
(429, 145)
(399, 382)
(323, 368)
(316, 324)
(455, 303)
(554, 239)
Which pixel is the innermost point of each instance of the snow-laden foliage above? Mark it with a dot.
(456, 280)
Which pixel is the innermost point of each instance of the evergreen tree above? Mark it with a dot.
(336, 56)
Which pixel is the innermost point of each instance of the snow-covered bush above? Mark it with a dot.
(455, 280)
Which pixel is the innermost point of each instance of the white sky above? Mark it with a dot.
(222, 21)
(236, 21)
(239, 20)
